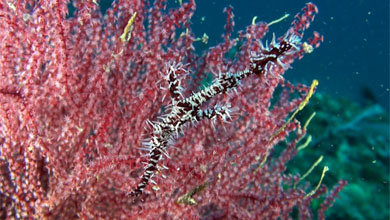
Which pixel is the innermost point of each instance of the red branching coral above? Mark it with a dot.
(82, 96)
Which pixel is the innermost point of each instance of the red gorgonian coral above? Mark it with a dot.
(91, 104)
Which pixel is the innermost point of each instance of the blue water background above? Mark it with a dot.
(353, 60)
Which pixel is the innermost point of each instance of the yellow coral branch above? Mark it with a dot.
(319, 183)
(187, 198)
(128, 29)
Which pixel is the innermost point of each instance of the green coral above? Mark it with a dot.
(354, 141)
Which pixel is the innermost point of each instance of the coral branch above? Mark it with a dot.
(79, 88)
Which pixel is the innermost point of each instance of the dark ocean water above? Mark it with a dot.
(353, 61)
